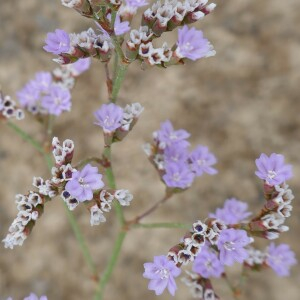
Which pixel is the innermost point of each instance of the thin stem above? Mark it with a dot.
(231, 286)
(150, 210)
(85, 250)
(26, 137)
(108, 80)
(119, 77)
(110, 265)
(161, 225)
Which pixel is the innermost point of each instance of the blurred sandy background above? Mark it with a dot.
(240, 103)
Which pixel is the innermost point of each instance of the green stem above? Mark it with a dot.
(118, 79)
(26, 137)
(81, 241)
(110, 265)
(161, 225)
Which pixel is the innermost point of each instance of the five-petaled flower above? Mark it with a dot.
(272, 169)
(161, 274)
(84, 182)
(57, 42)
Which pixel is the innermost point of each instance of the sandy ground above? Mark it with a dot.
(240, 103)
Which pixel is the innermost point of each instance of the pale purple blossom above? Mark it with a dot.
(136, 3)
(272, 169)
(57, 101)
(168, 136)
(231, 245)
(84, 182)
(120, 27)
(176, 153)
(80, 66)
(207, 263)
(202, 161)
(233, 211)
(191, 44)
(178, 175)
(33, 296)
(109, 117)
(161, 274)
(57, 42)
(28, 96)
(43, 81)
(280, 259)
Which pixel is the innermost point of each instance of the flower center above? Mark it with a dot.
(163, 273)
(201, 162)
(57, 101)
(271, 174)
(229, 246)
(107, 121)
(82, 183)
(176, 177)
(188, 47)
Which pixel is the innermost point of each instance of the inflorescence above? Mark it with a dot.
(226, 237)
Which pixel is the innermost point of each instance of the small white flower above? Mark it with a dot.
(124, 197)
(97, 216)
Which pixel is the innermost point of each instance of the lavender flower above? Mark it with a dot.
(280, 259)
(191, 44)
(233, 211)
(207, 264)
(57, 101)
(231, 245)
(83, 183)
(202, 161)
(109, 117)
(33, 296)
(272, 169)
(119, 27)
(176, 153)
(80, 66)
(28, 96)
(168, 136)
(136, 3)
(57, 42)
(43, 81)
(161, 274)
(178, 175)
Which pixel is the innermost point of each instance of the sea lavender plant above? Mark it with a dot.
(226, 236)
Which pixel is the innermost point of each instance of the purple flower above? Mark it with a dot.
(119, 26)
(168, 136)
(280, 259)
(161, 274)
(57, 42)
(80, 66)
(109, 117)
(29, 95)
(57, 101)
(207, 264)
(35, 297)
(233, 211)
(272, 169)
(176, 153)
(202, 160)
(191, 44)
(231, 245)
(43, 81)
(136, 3)
(83, 183)
(178, 175)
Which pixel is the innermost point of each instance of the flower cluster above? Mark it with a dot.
(115, 121)
(74, 186)
(9, 109)
(211, 245)
(170, 156)
(50, 93)
(71, 47)
(167, 15)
